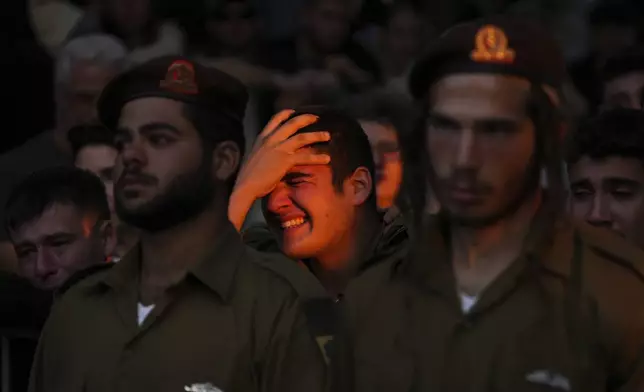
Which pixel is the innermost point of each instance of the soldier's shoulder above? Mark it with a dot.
(613, 271)
(262, 270)
(84, 279)
(260, 238)
(605, 250)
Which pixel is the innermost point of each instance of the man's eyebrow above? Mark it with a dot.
(440, 117)
(498, 120)
(149, 127)
(46, 238)
(617, 181)
(581, 182)
(159, 126)
(23, 244)
(296, 175)
(58, 236)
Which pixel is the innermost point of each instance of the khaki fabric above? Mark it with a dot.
(566, 316)
(230, 323)
(389, 245)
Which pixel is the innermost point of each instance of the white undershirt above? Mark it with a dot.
(143, 312)
(467, 302)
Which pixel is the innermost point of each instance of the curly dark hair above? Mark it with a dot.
(617, 132)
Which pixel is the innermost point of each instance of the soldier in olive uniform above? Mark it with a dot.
(189, 308)
(502, 292)
(314, 171)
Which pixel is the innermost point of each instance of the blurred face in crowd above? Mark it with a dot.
(404, 36)
(99, 159)
(165, 173)
(235, 26)
(77, 99)
(609, 193)
(386, 155)
(481, 145)
(130, 16)
(310, 215)
(625, 91)
(59, 243)
(328, 23)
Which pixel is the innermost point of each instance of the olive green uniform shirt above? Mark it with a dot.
(390, 244)
(230, 324)
(565, 316)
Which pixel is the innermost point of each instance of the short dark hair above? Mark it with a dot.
(349, 146)
(215, 128)
(57, 185)
(632, 60)
(617, 132)
(85, 135)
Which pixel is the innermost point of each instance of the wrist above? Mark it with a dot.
(240, 203)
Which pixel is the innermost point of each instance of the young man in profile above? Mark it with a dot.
(189, 308)
(93, 150)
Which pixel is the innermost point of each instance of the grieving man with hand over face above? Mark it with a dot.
(314, 171)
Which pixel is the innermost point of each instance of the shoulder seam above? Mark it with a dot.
(617, 260)
(81, 277)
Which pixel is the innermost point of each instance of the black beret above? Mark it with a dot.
(176, 78)
(330, 119)
(497, 45)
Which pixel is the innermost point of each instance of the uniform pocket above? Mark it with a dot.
(539, 358)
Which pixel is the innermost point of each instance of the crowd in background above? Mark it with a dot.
(354, 54)
(293, 52)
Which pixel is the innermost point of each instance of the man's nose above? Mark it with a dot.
(599, 213)
(133, 153)
(46, 262)
(465, 148)
(277, 200)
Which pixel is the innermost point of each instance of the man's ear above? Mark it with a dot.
(108, 238)
(359, 186)
(225, 160)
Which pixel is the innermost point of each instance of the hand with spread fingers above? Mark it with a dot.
(276, 150)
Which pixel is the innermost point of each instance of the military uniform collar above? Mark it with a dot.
(549, 245)
(392, 239)
(217, 271)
